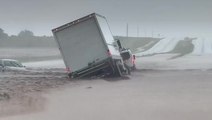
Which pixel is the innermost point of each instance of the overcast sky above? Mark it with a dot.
(152, 17)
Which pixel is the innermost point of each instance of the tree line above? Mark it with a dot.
(25, 38)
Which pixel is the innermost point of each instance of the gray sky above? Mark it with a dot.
(165, 17)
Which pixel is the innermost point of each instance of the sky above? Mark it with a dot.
(145, 18)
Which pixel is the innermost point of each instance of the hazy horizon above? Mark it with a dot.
(168, 18)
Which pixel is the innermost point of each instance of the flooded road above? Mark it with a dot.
(146, 94)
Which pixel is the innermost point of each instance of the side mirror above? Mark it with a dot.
(119, 43)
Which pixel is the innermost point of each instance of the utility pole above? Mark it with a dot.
(137, 31)
(127, 31)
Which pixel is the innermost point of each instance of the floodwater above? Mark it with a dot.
(146, 94)
(161, 88)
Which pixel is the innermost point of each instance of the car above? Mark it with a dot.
(10, 64)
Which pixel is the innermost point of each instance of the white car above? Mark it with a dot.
(10, 64)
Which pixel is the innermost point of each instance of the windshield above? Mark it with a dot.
(12, 64)
(125, 55)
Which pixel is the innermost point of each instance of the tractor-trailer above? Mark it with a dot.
(88, 47)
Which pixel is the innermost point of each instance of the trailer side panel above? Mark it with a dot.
(81, 44)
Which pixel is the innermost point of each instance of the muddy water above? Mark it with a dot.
(22, 91)
(147, 94)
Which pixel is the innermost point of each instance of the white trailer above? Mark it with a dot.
(87, 47)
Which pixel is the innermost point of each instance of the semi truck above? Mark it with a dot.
(88, 47)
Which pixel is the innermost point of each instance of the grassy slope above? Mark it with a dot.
(183, 47)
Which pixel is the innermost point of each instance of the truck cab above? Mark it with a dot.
(127, 56)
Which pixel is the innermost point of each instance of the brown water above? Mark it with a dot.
(147, 94)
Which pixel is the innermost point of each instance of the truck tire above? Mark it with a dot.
(128, 69)
(134, 67)
(118, 71)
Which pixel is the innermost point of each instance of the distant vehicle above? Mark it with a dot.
(88, 47)
(10, 64)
